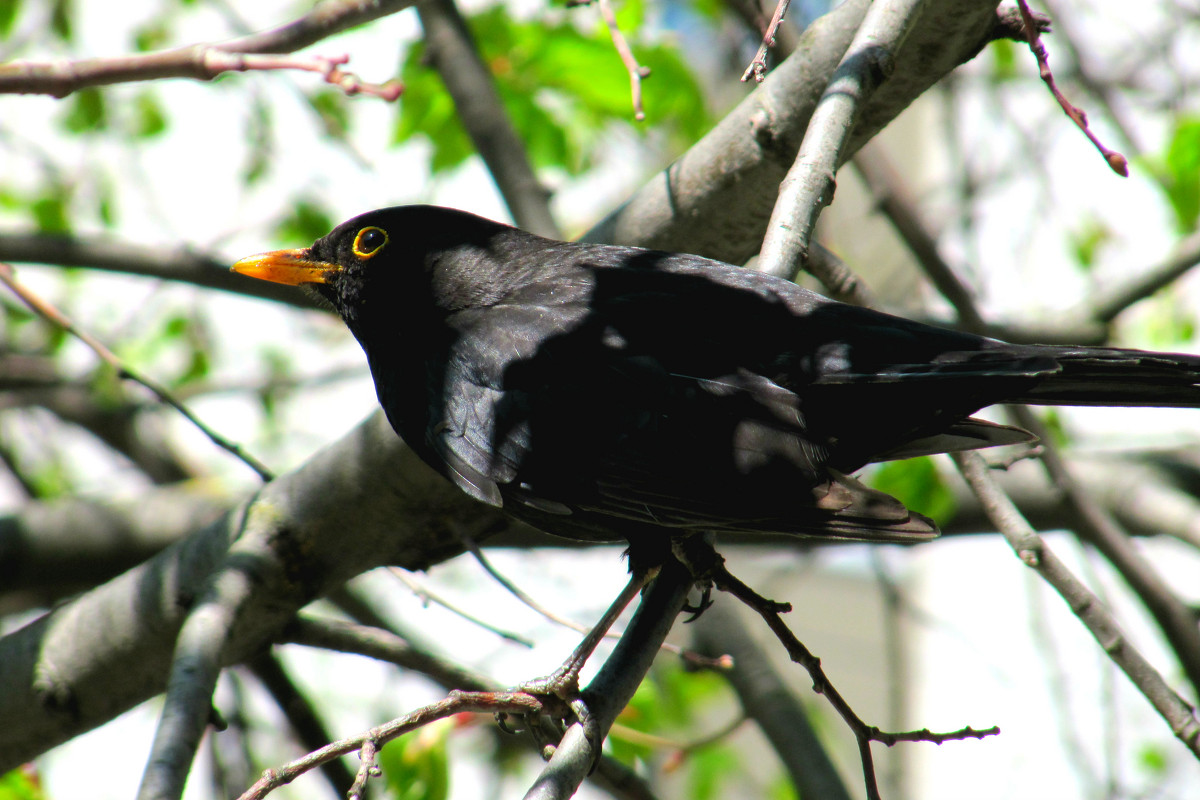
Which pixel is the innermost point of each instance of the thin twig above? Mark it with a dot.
(429, 596)
(123, 370)
(199, 62)
(454, 703)
(1099, 529)
(636, 71)
(692, 657)
(865, 734)
(1033, 551)
(758, 67)
(1116, 162)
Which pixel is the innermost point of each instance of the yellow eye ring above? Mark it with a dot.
(369, 241)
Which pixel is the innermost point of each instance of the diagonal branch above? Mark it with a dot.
(1099, 621)
(808, 187)
(452, 51)
(53, 315)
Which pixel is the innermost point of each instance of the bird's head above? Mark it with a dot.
(389, 263)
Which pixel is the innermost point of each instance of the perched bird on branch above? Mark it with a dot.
(605, 393)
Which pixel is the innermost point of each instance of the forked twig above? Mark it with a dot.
(758, 67)
(770, 611)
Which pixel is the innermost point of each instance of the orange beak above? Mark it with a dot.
(292, 267)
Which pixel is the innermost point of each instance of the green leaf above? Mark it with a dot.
(304, 224)
(8, 15)
(148, 117)
(917, 483)
(1088, 240)
(86, 112)
(1177, 172)
(561, 88)
(712, 768)
(1004, 60)
(332, 109)
(1153, 758)
(415, 766)
(105, 202)
(50, 211)
(258, 137)
(60, 19)
(151, 36)
(21, 784)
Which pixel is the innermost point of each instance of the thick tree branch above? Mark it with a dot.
(364, 501)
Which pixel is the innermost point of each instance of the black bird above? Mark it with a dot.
(605, 393)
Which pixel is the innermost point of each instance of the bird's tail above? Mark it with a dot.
(1102, 376)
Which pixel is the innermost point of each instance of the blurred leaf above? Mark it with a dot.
(332, 109)
(415, 766)
(666, 702)
(151, 36)
(561, 89)
(87, 112)
(782, 789)
(21, 784)
(1004, 60)
(1053, 420)
(1153, 758)
(8, 15)
(304, 224)
(712, 768)
(1087, 241)
(917, 483)
(105, 202)
(1177, 172)
(258, 138)
(50, 210)
(149, 119)
(1169, 323)
(60, 19)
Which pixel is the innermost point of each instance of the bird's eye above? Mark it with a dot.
(369, 241)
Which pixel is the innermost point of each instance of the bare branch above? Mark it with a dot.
(1099, 621)
(182, 264)
(615, 683)
(200, 62)
(711, 200)
(767, 700)
(452, 51)
(1116, 162)
(1174, 618)
(808, 187)
(758, 66)
(455, 703)
(53, 315)
(328, 18)
(1109, 303)
(636, 71)
(900, 209)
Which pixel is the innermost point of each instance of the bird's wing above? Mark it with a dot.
(551, 410)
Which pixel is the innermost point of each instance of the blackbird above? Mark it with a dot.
(604, 393)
